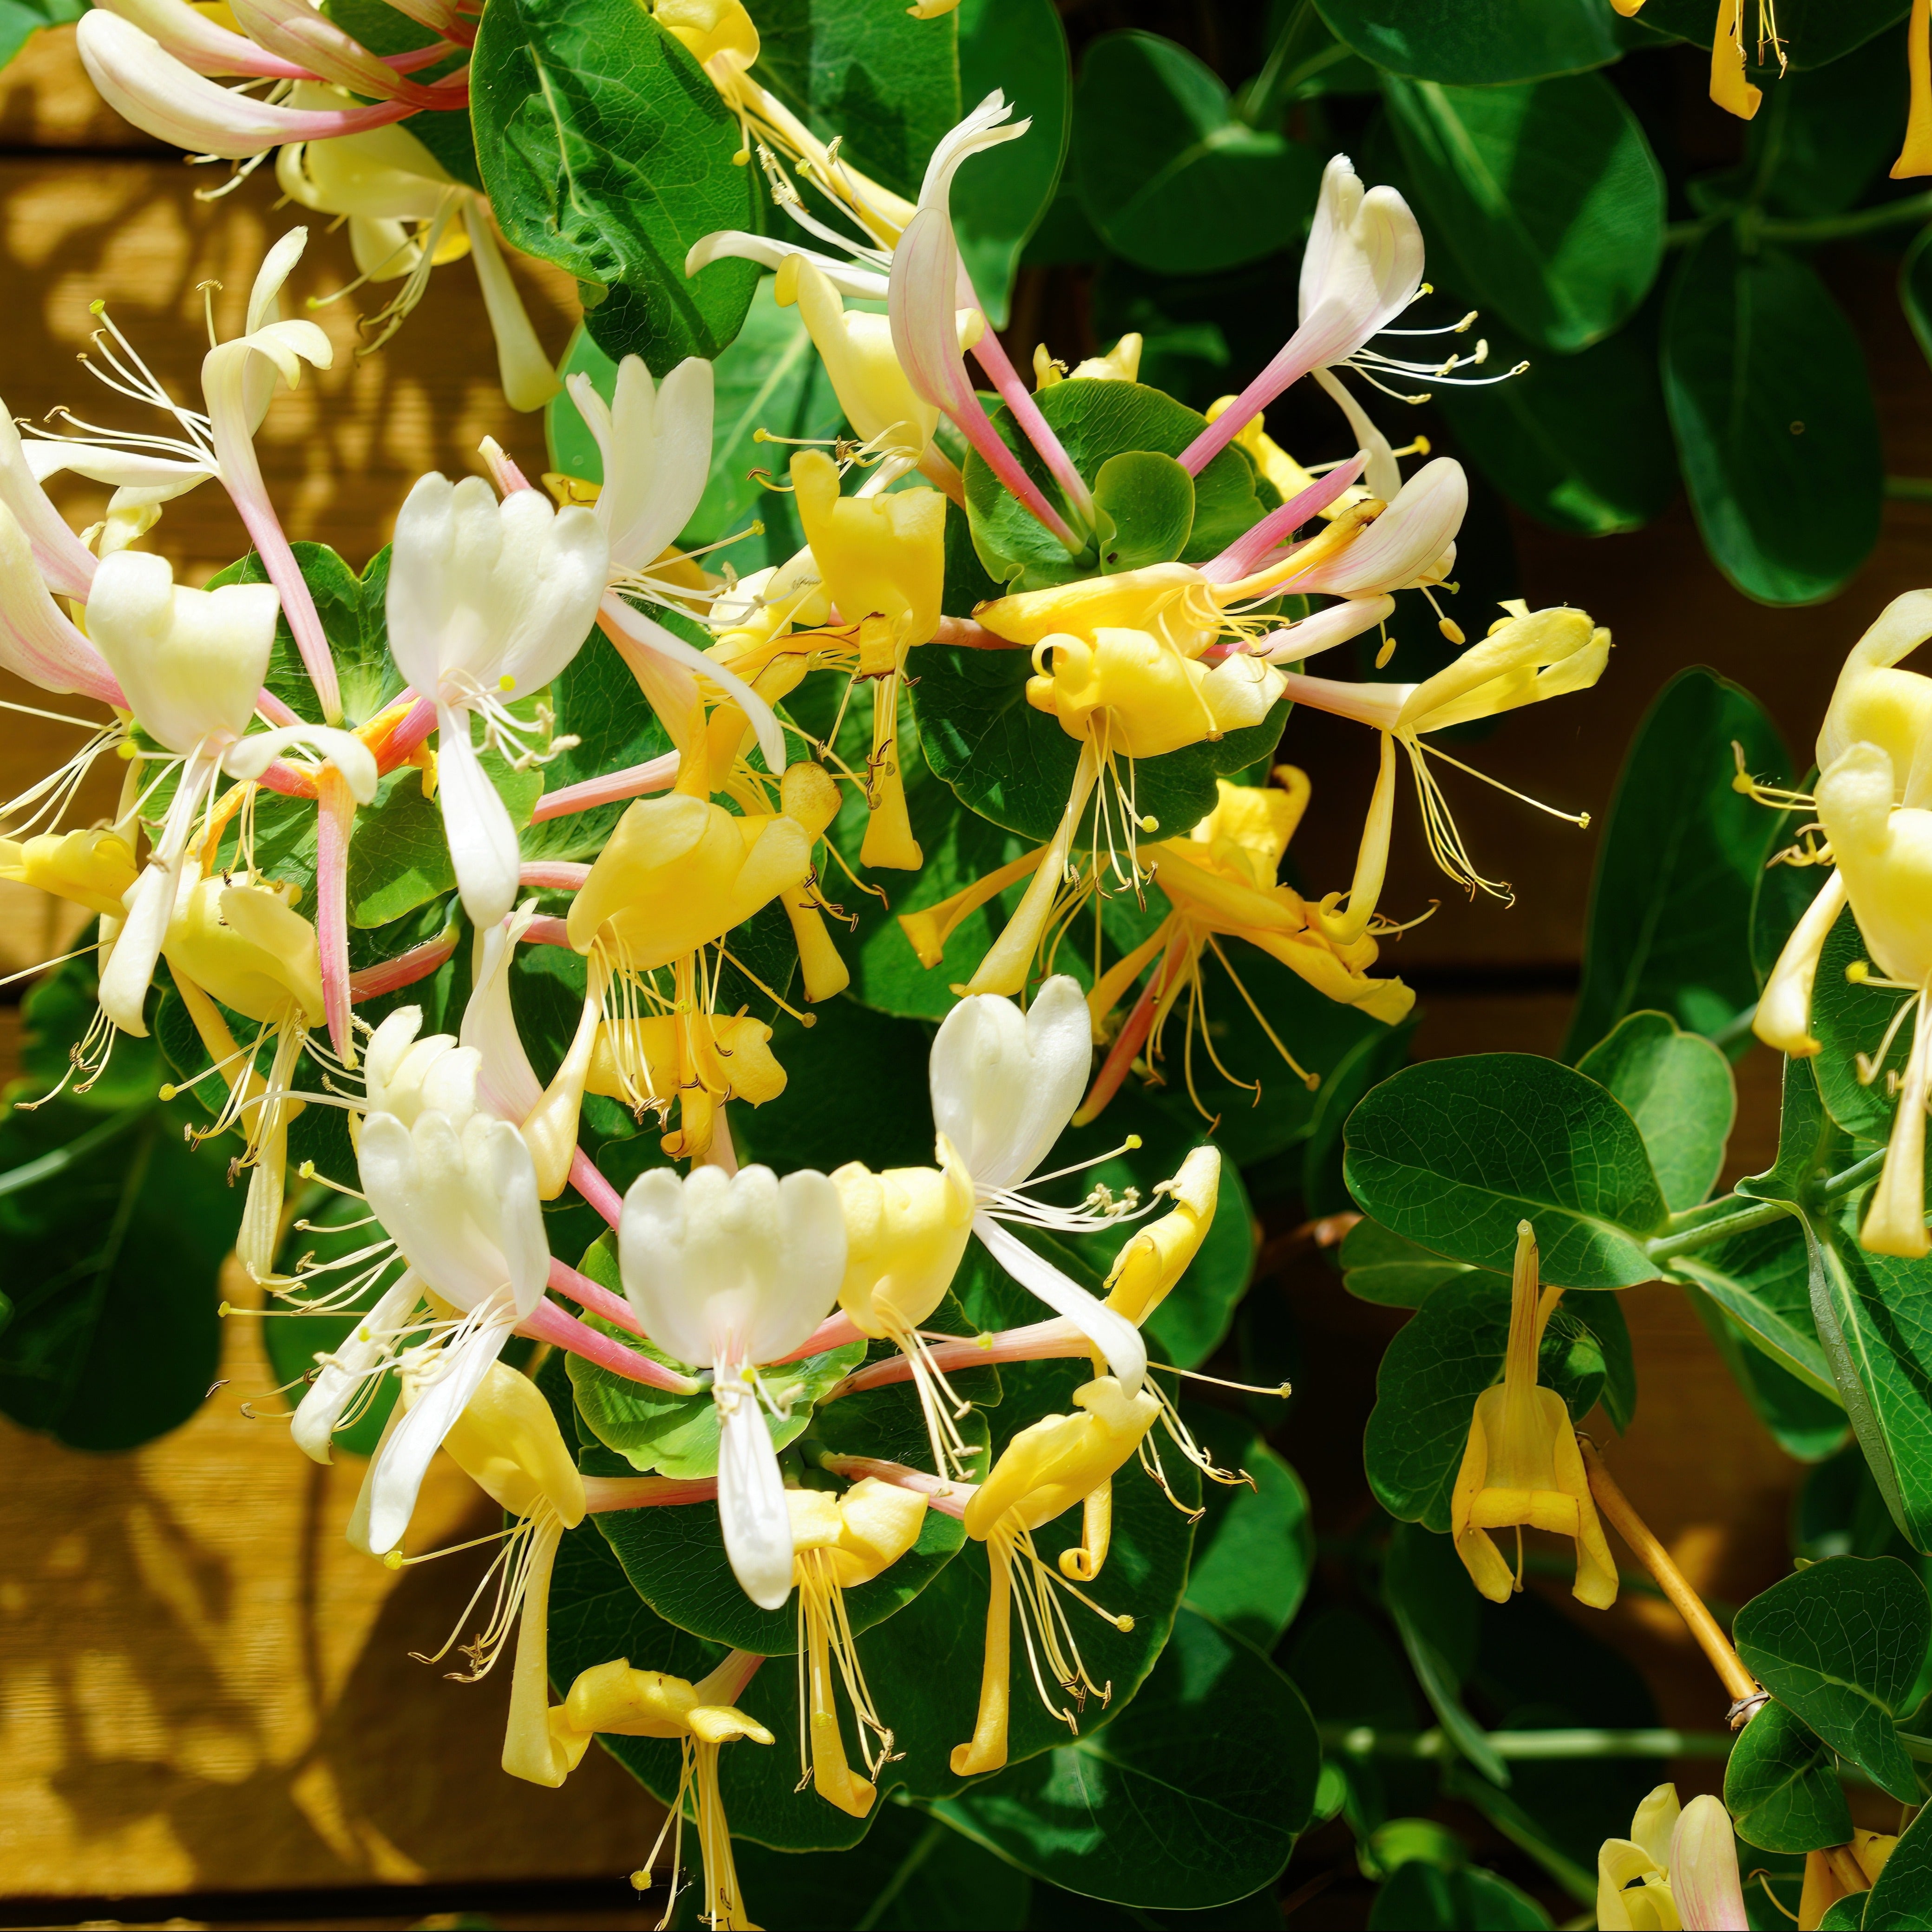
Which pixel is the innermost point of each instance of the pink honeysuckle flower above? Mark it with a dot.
(1362, 267)
(1412, 542)
(38, 641)
(238, 379)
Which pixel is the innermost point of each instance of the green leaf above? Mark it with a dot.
(20, 20)
(1806, 1419)
(1421, 1898)
(1813, 33)
(1847, 1914)
(1389, 1269)
(1874, 1318)
(1254, 1551)
(1670, 903)
(1580, 442)
(606, 150)
(1094, 419)
(1902, 1898)
(1475, 42)
(1014, 765)
(1431, 1375)
(1454, 1153)
(911, 1872)
(1437, 1615)
(886, 84)
(676, 1436)
(1776, 428)
(398, 855)
(1149, 500)
(1780, 1787)
(1678, 1088)
(1546, 196)
(1000, 198)
(354, 620)
(116, 1233)
(1217, 1745)
(596, 700)
(1841, 1643)
(1168, 174)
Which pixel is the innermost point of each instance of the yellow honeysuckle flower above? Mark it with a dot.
(697, 1059)
(1873, 703)
(90, 868)
(506, 1440)
(1884, 856)
(839, 1542)
(887, 414)
(1221, 882)
(678, 874)
(1841, 1871)
(614, 1698)
(236, 939)
(1041, 1473)
(882, 560)
(1522, 1466)
(1678, 1867)
(1121, 363)
(906, 1230)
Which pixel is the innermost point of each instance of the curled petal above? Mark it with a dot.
(476, 822)
(36, 641)
(197, 42)
(751, 1510)
(1114, 1335)
(252, 755)
(65, 563)
(162, 97)
(769, 252)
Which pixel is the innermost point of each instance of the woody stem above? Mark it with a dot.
(1615, 1508)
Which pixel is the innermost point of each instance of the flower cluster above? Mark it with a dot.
(466, 1146)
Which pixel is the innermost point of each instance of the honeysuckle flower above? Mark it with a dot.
(1841, 1871)
(506, 1440)
(1528, 656)
(38, 641)
(237, 940)
(1004, 1084)
(882, 560)
(912, 261)
(655, 439)
(1678, 1868)
(406, 216)
(1121, 363)
(615, 1698)
(191, 663)
(700, 1060)
(1522, 1468)
(456, 1188)
(157, 86)
(1915, 157)
(839, 1542)
(486, 599)
(1876, 703)
(238, 379)
(1040, 1475)
(675, 877)
(726, 1272)
(1362, 267)
(1221, 882)
(1884, 856)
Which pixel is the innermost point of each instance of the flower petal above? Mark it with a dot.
(482, 841)
(1114, 1335)
(751, 1510)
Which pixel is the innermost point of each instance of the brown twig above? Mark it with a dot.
(1747, 1694)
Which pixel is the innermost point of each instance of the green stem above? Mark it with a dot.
(1863, 221)
(1758, 1215)
(1364, 1741)
(1908, 489)
(1916, 1747)
(30, 1173)
(1856, 1175)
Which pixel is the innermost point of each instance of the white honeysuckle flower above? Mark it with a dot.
(191, 664)
(340, 1374)
(1413, 542)
(655, 439)
(1005, 1085)
(730, 1272)
(487, 599)
(455, 1188)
